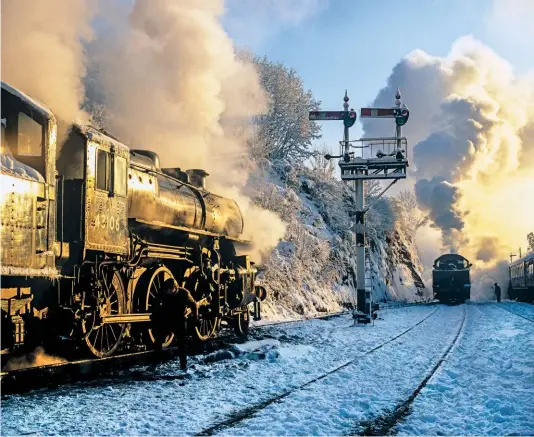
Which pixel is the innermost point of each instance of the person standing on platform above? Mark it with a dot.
(497, 292)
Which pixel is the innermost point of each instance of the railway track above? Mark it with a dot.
(97, 371)
(248, 412)
(383, 424)
(54, 375)
(404, 305)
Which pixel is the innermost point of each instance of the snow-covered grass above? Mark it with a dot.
(486, 387)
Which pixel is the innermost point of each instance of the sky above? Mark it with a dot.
(353, 44)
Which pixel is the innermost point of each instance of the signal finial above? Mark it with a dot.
(398, 98)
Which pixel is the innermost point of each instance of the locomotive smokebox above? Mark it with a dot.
(197, 177)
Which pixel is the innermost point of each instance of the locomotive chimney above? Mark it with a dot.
(197, 177)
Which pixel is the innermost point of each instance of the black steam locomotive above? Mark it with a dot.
(521, 273)
(90, 234)
(451, 280)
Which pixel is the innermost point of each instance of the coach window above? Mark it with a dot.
(102, 170)
(119, 179)
(30, 136)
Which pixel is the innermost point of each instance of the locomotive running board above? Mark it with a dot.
(191, 230)
(142, 317)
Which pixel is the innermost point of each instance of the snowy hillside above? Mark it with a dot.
(312, 270)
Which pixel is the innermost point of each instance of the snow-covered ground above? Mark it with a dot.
(493, 343)
(521, 308)
(487, 386)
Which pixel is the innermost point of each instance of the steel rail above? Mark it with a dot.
(250, 411)
(383, 424)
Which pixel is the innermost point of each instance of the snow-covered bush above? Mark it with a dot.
(313, 270)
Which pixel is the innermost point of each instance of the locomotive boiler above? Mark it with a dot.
(451, 281)
(90, 234)
(176, 198)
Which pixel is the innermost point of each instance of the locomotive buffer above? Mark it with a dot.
(371, 158)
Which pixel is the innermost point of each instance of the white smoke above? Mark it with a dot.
(172, 83)
(43, 52)
(472, 122)
(161, 75)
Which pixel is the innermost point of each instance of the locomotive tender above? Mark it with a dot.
(90, 233)
(521, 275)
(451, 278)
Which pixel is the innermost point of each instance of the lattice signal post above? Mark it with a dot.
(373, 158)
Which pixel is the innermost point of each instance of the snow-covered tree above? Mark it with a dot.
(323, 166)
(284, 131)
(407, 211)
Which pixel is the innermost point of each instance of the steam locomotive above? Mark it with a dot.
(451, 280)
(90, 234)
(521, 273)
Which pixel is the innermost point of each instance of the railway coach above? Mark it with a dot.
(521, 279)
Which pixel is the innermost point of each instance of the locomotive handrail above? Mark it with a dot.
(62, 181)
(156, 250)
(158, 172)
(192, 230)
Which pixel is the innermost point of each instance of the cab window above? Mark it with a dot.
(120, 176)
(103, 170)
(30, 136)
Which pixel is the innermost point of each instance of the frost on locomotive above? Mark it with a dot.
(451, 281)
(89, 235)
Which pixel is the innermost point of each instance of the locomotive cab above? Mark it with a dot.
(92, 212)
(28, 170)
(27, 203)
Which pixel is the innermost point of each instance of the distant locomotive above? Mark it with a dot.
(521, 275)
(451, 280)
(89, 235)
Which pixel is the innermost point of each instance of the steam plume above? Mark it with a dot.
(36, 358)
(42, 51)
(172, 83)
(472, 120)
